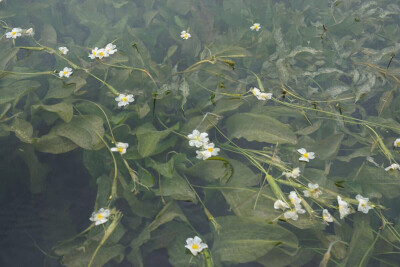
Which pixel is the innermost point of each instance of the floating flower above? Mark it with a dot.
(393, 167)
(344, 208)
(363, 204)
(279, 204)
(293, 213)
(120, 147)
(195, 245)
(66, 72)
(102, 53)
(295, 173)
(313, 191)
(326, 216)
(94, 53)
(100, 217)
(185, 35)
(397, 142)
(255, 91)
(63, 50)
(264, 96)
(124, 100)
(110, 49)
(208, 151)
(294, 199)
(305, 156)
(198, 139)
(256, 26)
(30, 32)
(14, 33)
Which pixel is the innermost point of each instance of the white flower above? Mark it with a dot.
(344, 208)
(94, 53)
(208, 151)
(63, 50)
(279, 204)
(198, 139)
(120, 147)
(124, 100)
(305, 156)
(14, 33)
(295, 173)
(313, 191)
(326, 216)
(185, 35)
(393, 167)
(102, 53)
(293, 213)
(255, 91)
(256, 26)
(66, 72)
(294, 199)
(397, 142)
(100, 216)
(110, 48)
(264, 96)
(195, 245)
(363, 204)
(30, 32)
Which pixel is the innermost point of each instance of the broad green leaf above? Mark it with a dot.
(260, 128)
(63, 109)
(168, 213)
(14, 91)
(53, 144)
(242, 241)
(149, 138)
(22, 129)
(177, 188)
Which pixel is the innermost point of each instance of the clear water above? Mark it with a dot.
(331, 68)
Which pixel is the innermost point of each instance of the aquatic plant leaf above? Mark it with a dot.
(241, 241)
(85, 131)
(177, 188)
(149, 138)
(377, 181)
(6, 55)
(14, 91)
(261, 128)
(63, 109)
(54, 144)
(361, 244)
(22, 129)
(278, 258)
(170, 212)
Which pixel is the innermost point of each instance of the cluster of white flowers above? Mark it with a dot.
(305, 156)
(260, 95)
(295, 206)
(195, 245)
(100, 216)
(295, 173)
(124, 100)
(200, 140)
(103, 52)
(17, 32)
(63, 50)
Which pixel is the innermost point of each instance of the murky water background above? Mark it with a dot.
(332, 70)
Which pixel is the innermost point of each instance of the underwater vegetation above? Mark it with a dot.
(200, 133)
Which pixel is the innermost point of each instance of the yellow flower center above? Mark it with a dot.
(292, 200)
(94, 52)
(210, 149)
(195, 246)
(120, 149)
(124, 99)
(305, 155)
(14, 33)
(186, 36)
(363, 205)
(398, 143)
(101, 54)
(65, 72)
(255, 26)
(99, 216)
